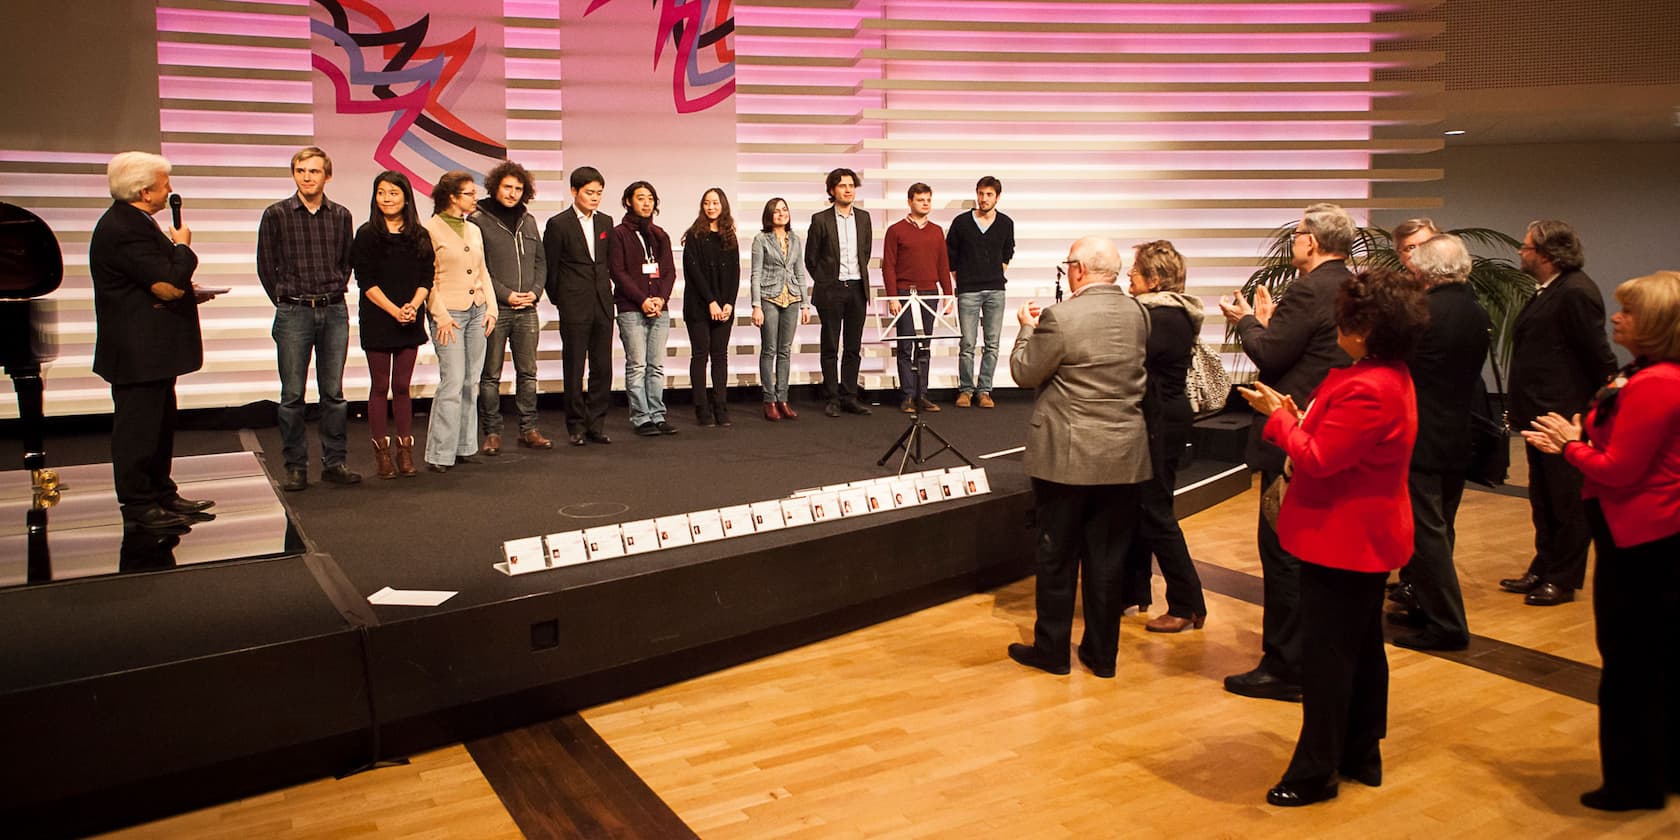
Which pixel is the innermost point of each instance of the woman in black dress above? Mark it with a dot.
(392, 258)
(1157, 281)
(712, 274)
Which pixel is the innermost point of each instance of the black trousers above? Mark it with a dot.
(1280, 621)
(1159, 536)
(708, 342)
(580, 342)
(841, 309)
(142, 443)
(1434, 579)
(1636, 599)
(1560, 526)
(1088, 525)
(1344, 675)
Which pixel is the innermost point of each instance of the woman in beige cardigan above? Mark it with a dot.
(460, 317)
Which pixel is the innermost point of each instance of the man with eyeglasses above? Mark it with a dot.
(303, 261)
(1292, 343)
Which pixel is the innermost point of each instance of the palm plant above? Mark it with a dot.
(1500, 287)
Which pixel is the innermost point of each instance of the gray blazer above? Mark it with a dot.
(770, 271)
(1085, 358)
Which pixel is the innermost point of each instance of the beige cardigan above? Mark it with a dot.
(461, 279)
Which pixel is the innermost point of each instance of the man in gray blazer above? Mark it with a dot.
(1087, 452)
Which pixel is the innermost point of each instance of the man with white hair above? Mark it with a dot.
(146, 316)
(1446, 369)
(1293, 345)
(1087, 452)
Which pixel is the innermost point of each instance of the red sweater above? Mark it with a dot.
(1632, 465)
(1347, 505)
(915, 258)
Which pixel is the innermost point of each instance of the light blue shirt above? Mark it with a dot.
(846, 224)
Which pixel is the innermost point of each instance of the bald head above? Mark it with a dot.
(1099, 260)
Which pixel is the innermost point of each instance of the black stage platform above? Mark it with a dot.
(130, 696)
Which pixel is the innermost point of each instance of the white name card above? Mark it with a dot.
(705, 526)
(797, 511)
(975, 480)
(767, 516)
(673, 531)
(525, 555)
(640, 537)
(604, 542)
(904, 494)
(951, 486)
(566, 549)
(737, 520)
(880, 498)
(825, 506)
(853, 501)
(927, 490)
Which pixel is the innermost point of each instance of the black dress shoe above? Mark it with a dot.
(465, 459)
(159, 521)
(832, 409)
(295, 480)
(1286, 795)
(665, 428)
(1604, 799)
(1264, 685)
(648, 430)
(854, 407)
(1368, 774)
(1521, 585)
(577, 439)
(1549, 595)
(597, 437)
(340, 474)
(176, 504)
(1431, 639)
(1032, 657)
(1406, 618)
(1085, 659)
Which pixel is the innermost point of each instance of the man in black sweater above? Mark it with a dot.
(980, 245)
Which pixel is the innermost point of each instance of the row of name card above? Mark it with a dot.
(806, 507)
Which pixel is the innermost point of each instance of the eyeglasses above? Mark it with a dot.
(1303, 233)
(1071, 262)
(467, 193)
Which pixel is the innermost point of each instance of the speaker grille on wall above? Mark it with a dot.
(1500, 44)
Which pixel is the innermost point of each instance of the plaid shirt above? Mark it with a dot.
(303, 253)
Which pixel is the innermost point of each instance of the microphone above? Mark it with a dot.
(175, 210)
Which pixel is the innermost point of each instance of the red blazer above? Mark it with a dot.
(1347, 506)
(1633, 464)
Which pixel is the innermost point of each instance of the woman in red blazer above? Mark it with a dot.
(1347, 515)
(1629, 453)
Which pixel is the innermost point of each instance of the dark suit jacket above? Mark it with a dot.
(1297, 348)
(580, 288)
(141, 338)
(822, 246)
(1559, 356)
(1447, 373)
(1085, 358)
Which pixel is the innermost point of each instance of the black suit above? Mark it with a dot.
(1293, 351)
(1559, 359)
(840, 306)
(142, 344)
(582, 292)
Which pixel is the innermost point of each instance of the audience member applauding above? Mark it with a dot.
(392, 259)
(712, 280)
(780, 303)
(1629, 454)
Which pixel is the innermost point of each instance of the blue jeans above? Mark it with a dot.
(975, 309)
(519, 326)
(775, 352)
(300, 331)
(914, 354)
(644, 364)
(453, 428)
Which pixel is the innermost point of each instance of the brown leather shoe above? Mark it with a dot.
(1174, 624)
(964, 400)
(928, 406)
(986, 401)
(533, 439)
(787, 411)
(908, 407)
(492, 445)
(405, 457)
(382, 457)
(771, 412)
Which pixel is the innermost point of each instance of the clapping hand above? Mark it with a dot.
(1552, 433)
(1266, 399)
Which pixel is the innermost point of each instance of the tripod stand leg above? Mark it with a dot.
(946, 445)
(901, 442)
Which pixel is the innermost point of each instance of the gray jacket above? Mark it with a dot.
(515, 258)
(769, 271)
(1085, 359)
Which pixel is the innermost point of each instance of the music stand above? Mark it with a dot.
(911, 440)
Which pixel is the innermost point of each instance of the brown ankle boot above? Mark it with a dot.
(382, 456)
(405, 457)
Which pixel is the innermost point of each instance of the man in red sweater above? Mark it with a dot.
(914, 261)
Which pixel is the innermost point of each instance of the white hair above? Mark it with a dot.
(1442, 259)
(1332, 227)
(1100, 257)
(131, 172)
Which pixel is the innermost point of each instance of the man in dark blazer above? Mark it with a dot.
(577, 246)
(1559, 359)
(1292, 343)
(1087, 452)
(146, 314)
(1446, 367)
(837, 258)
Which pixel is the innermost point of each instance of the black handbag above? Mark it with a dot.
(1490, 439)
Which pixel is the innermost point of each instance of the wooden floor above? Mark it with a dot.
(921, 727)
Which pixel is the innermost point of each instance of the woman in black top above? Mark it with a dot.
(392, 258)
(712, 274)
(1157, 281)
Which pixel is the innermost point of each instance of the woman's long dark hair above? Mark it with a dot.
(702, 225)
(412, 233)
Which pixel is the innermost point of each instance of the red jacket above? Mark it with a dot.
(1347, 506)
(1633, 464)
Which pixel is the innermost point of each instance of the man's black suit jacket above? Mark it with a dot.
(579, 287)
(822, 246)
(1447, 374)
(1560, 356)
(139, 337)
(1296, 349)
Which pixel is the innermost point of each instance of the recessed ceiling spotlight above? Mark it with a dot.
(1454, 132)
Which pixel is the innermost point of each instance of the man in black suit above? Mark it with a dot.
(146, 313)
(1292, 343)
(577, 246)
(1559, 359)
(837, 258)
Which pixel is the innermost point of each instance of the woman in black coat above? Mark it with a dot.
(392, 259)
(712, 274)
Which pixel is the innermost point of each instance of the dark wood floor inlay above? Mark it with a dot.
(558, 779)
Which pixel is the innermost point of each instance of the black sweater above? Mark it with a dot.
(976, 257)
(711, 274)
